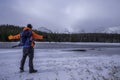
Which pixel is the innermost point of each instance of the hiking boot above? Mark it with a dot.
(33, 71)
(21, 70)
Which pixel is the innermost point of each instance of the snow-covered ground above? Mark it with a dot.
(90, 63)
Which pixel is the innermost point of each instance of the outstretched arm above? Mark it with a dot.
(14, 37)
(36, 36)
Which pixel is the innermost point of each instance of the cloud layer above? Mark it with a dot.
(59, 15)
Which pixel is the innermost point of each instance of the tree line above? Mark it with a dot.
(6, 30)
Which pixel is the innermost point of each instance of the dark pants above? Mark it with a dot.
(30, 53)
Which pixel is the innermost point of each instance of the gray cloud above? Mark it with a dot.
(58, 15)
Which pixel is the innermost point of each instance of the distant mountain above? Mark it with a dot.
(43, 29)
(112, 30)
(98, 30)
(107, 30)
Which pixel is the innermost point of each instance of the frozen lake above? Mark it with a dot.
(63, 45)
(64, 61)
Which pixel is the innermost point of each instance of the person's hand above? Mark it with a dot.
(10, 37)
(41, 37)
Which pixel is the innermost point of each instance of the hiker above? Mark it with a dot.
(27, 37)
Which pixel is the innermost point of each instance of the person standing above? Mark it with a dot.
(27, 37)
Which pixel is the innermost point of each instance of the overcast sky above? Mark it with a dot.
(61, 15)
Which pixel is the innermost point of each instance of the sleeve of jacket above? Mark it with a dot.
(36, 36)
(14, 37)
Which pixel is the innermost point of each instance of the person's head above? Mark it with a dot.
(29, 26)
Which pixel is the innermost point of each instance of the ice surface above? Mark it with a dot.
(62, 45)
(98, 63)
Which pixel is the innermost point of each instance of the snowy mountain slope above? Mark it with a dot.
(112, 30)
(43, 29)
(107, 30)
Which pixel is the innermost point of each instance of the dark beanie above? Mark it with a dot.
(29, 26)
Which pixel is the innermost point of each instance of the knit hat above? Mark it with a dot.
(29, 26)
